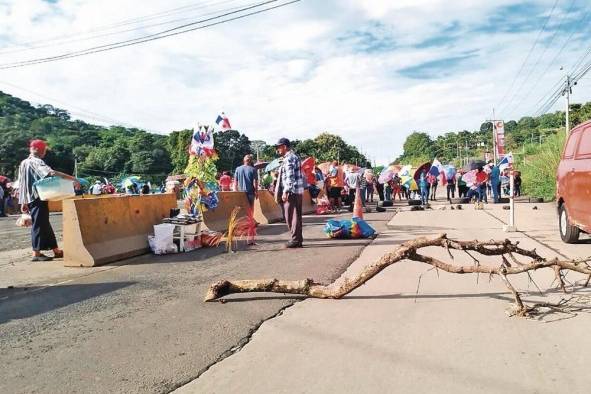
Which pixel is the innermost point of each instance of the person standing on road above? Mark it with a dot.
(432, 179)
(289, 191)
(481, 180)
(246, 179)
(424, 186)
(517, 184)
(451, 187)
(335, 183)
(31, 170)
(495, 182)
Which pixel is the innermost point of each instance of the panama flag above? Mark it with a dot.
(223, 122)
(436, 168)
(506, 161)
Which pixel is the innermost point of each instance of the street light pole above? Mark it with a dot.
(567, 93)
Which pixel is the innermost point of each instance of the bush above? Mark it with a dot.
(538, 167)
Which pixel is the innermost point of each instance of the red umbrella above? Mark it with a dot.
(308, 166)
(419, 171)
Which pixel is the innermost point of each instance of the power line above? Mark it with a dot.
(543, 74)
(157, 36)
(501, 103)
(87, 36)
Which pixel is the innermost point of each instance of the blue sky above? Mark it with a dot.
(372, 71)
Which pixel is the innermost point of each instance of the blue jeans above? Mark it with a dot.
(473, 193)
(424, 195)
(482, 193)
(496, 188)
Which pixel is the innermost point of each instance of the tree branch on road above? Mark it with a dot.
(409, 251)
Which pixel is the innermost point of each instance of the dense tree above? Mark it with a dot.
(231, 147)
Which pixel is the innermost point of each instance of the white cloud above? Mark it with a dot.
(310, 67)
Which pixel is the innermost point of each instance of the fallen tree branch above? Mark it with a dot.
(409, 251)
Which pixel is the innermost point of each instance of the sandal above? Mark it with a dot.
(58, 255)
(41, 258)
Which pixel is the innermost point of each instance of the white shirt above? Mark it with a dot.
(96, 189)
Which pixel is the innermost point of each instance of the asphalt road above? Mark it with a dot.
(13, 237)
(141, 326)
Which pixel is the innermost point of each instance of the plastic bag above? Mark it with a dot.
(162, 241)
(25, 220)
(347, 229)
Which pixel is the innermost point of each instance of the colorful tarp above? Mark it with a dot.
(347, 229)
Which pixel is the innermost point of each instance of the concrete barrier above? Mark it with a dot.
(57, 206)
(217, 219)
(266, 209)
(102, 230)
(307, 206)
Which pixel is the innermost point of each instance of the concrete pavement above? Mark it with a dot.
(140, 325)
(452, 335)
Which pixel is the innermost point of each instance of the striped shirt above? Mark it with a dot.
(292, 180)
(31, 170)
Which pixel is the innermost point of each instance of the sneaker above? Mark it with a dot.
(293, 245)
(41, 258)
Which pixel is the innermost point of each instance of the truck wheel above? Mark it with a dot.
(568, 232)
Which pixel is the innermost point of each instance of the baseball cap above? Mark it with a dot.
(283, 141)
(38, 144)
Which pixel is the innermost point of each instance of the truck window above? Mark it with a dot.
(571, 145)
(584, 149)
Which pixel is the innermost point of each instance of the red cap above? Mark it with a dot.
(40, 145)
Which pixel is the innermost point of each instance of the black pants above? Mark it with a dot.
(42, 236)
(380, 190)
(451, 190)
(2, 206)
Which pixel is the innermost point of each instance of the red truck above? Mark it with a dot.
(573, 184)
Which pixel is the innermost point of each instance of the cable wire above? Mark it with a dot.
(153, 37)
(501, 103)
(69, 39)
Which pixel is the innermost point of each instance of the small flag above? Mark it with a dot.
(223, 122)
(506, 161)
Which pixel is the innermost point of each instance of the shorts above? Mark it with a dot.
(335, 192)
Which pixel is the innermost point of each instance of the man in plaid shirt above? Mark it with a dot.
(290, 190)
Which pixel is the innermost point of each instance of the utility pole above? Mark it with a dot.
(567, 92)
(494, 137)
(76, 168)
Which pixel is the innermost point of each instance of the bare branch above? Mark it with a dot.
(408, 251)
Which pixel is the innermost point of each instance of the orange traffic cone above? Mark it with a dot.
(358, 207)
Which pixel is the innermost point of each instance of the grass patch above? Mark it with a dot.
(538, 167)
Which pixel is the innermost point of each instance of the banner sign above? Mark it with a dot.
(499, 136)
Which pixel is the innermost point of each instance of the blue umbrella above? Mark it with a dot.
(450, 171)
(272, 166)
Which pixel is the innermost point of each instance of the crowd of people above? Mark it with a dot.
(286, 182)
